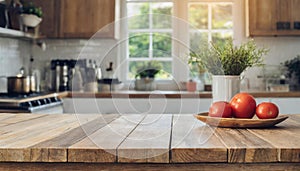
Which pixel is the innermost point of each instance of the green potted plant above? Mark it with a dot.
(226, 62)
(228, 59)
(293, 72)
(145, 75)
(31, 16)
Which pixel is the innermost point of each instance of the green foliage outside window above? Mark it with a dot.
(161, 42)
(140, 42)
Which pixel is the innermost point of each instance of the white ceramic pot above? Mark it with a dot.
(30, 20)
(224, 87)
(145, 84)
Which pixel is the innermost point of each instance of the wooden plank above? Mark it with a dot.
(7, 119)
(15, 129)
(75, 135)
(16, 147)
(295, 117)
(101, 146)
(50, 131)
(134, 140)
(47, 150)
(152, 167)
(149, 142)
(284, 137)
(4, 116)
(15, 133)
(245, 147)
(194, 141)
(32, 155)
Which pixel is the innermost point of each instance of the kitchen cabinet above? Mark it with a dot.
(273, 17)
(82, 19)
(76, 18)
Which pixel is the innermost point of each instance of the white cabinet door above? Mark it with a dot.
(136, 105)
(287, 105)
(260, 100)
(161, 105)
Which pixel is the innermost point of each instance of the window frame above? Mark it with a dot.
(180, 10)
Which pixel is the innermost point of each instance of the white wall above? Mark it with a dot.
(13, 53)
(281, 49)
(74, 49)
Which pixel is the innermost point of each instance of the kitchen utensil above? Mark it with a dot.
(109, 84)
(77, 81)
(239, 123)
(19, 85)
(64, 76)
(91, 87)
(35, 79)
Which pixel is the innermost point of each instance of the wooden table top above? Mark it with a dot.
(135, 138)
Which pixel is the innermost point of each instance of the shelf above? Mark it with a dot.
(9, 33)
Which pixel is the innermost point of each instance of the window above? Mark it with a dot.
(211, 22)
(149, 36)
(152, 29)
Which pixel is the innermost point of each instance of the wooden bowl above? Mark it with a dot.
(239, 123)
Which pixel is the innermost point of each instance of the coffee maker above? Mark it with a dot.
(61, 72)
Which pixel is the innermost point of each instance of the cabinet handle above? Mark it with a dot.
(283, 25)
(297, 25)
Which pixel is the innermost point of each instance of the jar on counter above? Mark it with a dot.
(77, 81)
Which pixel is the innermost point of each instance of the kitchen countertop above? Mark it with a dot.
(133, 141)
(170, 94)
(26, 99)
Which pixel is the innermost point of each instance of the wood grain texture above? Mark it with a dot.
(75, 135)
(239, 123)
(149, 142)
(76, 15)
(15, 118)
(262, 17)
(149, 166)
(101, 146)
(284, 137)
(196, 142)
(295, 10)
(140, 139)
(245, 147)
(39, 141)
(36, 130)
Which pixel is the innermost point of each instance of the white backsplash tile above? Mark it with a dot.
(74, 49)
(13, 53)
(16, 53)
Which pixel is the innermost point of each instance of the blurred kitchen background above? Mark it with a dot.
(17, 53)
